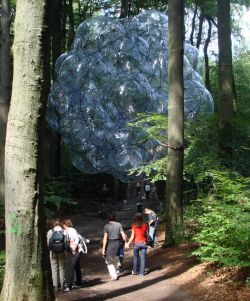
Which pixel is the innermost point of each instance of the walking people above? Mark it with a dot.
(73, 251)
(152, 224)
(139, 237)
(111, 244)
(56, 244)
(121, 255)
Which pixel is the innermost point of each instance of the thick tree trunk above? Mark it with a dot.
(5, 85)
(27, 271)
(207, 42)
(174, 197)
(227, 106)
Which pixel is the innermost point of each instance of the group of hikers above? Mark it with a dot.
(115, 240)
(66, 245)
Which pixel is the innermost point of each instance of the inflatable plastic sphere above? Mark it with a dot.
(115, 70)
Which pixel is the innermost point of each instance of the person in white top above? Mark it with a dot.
(57, 256)
(73, 252)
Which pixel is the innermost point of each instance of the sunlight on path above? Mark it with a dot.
(155, 286)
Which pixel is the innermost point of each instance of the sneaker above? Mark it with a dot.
(134, 273)
(67, 289)
(114, 278)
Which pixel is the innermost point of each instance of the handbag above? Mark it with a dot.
(150, 240)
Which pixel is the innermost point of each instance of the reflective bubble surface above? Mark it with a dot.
(114, 70)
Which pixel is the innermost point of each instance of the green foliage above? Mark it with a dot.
(155, 171)
(2, 265)
(155, 127)
(217, 199)
(58, 196)
(223, 226)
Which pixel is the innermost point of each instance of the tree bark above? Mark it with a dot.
(5, 85)
(174, 197)
(27, 271)
(193, 25)
(124, 9)
(227, 106)
(64, 21)
(207, 42)
(199, 36)
(54, 138)
(71, 24)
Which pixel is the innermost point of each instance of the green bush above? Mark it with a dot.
(2, 265)
(223, 225)
(58, 197)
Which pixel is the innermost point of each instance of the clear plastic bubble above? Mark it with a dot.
(114, 70)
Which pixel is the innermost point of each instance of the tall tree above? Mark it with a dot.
(227, 106)
(125, 6)
(71, 23)
(27, 271)
(174, 197)
(5, 84)
(53, 139)
(205, 50)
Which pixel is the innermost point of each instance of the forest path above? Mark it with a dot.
(158, 285)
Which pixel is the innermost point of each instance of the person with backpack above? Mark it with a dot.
(139, 237)
(73, 251)
(56, 244)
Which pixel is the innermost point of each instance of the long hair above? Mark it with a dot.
(67, 222)
(138, 220)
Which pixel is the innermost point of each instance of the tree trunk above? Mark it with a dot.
(27, 270)
(227, 106)
(53, 139)
(64, 21)
(5, 85)
(193, 25)
(207, 42)
(71, 24)
(124, 9)
(199, 36)
(174, 197)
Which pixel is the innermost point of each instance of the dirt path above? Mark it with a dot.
(158, 285)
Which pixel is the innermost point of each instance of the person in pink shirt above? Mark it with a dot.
(139, 237)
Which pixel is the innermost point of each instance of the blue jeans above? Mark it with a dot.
(151, 232)
(142, 249)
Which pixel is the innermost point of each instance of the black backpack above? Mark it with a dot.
(57, 241)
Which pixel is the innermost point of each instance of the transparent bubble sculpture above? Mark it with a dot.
(115, 70)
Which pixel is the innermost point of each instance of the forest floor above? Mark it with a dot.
(172, 275)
